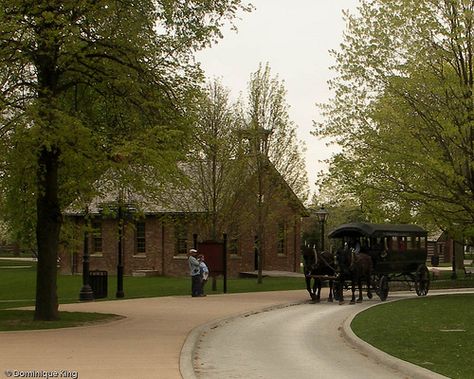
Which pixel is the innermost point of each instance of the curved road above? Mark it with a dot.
(293, 342)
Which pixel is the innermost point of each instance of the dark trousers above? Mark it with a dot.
(196, 288)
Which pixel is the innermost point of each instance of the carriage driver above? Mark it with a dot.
(354, 245)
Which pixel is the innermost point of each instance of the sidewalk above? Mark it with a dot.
(146, 344)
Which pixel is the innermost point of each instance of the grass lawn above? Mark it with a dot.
(433, 332)
(23, 320)
(19, 278)
(22, 281)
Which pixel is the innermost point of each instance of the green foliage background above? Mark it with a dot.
(403, 114)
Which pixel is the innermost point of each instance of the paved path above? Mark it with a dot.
(146, 344)
(293, 341)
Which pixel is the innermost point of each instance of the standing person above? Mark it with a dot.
(204, 270)
(194, 271)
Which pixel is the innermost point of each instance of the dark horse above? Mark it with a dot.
(356, 268)
(317, 265)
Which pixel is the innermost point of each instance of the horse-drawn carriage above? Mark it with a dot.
(374, 253)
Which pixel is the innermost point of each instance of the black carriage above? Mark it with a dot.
(398, 253)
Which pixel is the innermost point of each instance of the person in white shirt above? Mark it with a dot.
(204, 270)
(195, 272)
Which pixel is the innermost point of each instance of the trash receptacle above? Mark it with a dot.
(98, 282)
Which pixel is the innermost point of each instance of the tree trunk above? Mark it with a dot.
(47, 235)
(260, 226)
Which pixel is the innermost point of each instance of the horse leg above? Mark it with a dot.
(369, 284)
(308, 286)
(317, 289)
(340, 289)
(353, 291)
(359, 282)
(313, 290)
(330, 298)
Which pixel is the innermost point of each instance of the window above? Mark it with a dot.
(393, 243)
(96, 237)
(402, 243)
(281, 239)
(440, 249)
(181, 233)
(233, 245)
(233, 242)
(413, 243)
(140, 238)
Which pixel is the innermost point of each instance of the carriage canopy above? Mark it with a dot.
(377, 230)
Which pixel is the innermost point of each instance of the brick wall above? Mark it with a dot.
(161, 248)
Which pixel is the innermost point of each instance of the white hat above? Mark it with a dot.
(193, 251)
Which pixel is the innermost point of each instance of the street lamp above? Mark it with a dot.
(454, 275)
(86, 293)
(124, 212)
(120, 292)
(322, 215)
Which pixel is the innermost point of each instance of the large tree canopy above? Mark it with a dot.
(403, 112)
(86, 85)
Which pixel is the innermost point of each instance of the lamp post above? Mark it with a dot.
(125, 210)
(86, 293)
(120, 293)
(322, 215)
(454, 275)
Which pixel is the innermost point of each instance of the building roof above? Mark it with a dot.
(144, 197)
(168, 198)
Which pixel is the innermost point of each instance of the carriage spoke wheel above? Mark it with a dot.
(422, 280)
(382, 290)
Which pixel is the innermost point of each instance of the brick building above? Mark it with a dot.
(155, 238)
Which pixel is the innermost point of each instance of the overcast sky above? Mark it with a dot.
(294, 38)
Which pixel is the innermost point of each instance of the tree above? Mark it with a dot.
(213, 163)
(89, 85)
(403, 112)
(272, 143)
(267, 115)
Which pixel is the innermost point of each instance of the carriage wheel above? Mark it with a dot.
(422, 280)
(383, 287)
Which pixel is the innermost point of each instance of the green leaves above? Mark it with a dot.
(86, 86)
(267, 111)
(402, 111)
